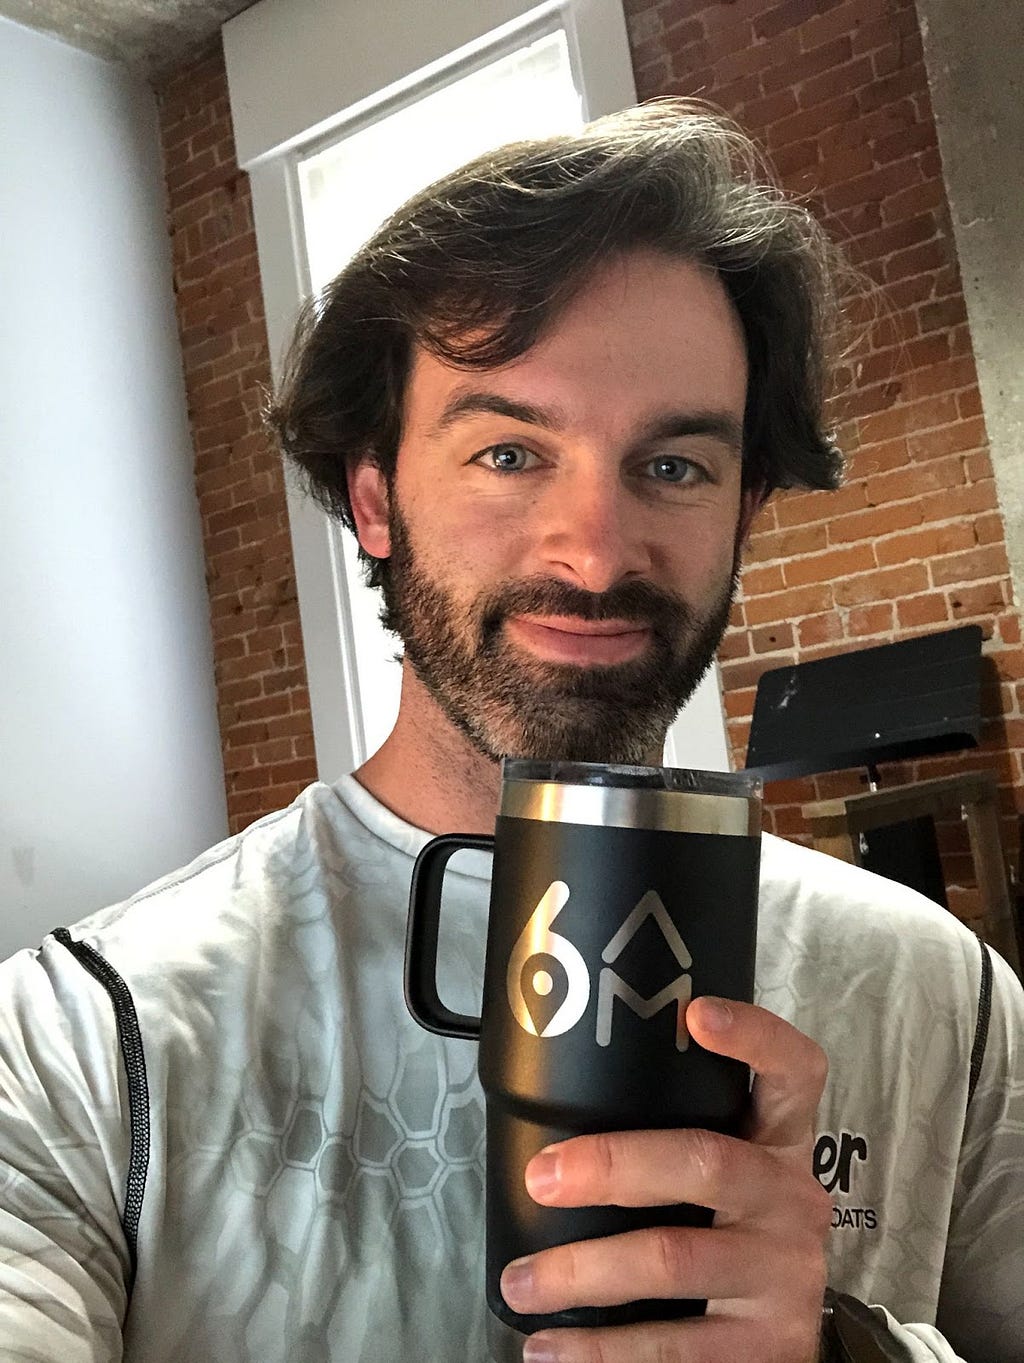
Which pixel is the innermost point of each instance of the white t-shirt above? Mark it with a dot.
(257, 1156)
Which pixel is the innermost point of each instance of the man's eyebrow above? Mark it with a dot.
(472, 402)
(718, 425)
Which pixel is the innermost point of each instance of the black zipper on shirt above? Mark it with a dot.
(984, 1014)
(129, 1037)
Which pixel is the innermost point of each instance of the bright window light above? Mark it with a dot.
(349, 188)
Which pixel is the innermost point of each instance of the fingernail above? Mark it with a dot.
(541, 1349)
(517, 1283)
(542, 1174)
(715, 1015)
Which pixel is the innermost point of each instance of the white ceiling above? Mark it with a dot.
(150, 36)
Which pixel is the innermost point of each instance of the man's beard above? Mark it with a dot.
(509, 703)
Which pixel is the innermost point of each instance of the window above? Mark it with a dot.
(348, 188)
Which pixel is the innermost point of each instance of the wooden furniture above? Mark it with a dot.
(835, 826)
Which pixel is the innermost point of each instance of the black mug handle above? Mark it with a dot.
(421, 995)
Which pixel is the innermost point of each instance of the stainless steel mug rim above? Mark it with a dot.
(673, 811)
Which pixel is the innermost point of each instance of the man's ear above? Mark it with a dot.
(368, 494)
(752, 499)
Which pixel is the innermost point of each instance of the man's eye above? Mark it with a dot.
(506, 458)
(673, 468)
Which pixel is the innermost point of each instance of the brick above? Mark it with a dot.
(810, 122)
(989, 529)
(968, 403)
(893, 237)
(759, 581)
(797, 70)
(761, 113)
(987, 561)
(871, 620)
(906, 81)
(789, 605)
(922, 196)
(949, 502)
(839, 78)
(939, 474)
(795, 157)
(967, 603)
(776, 544)
(879, 22)
(879, 457)
(789, 822)
(735, 645)
(978, 467)
(882, 585)
(946, 376)
(913, 417)
(830, 566)
(957, 437)
(941, 316)
(773, 638)
(787, 15)
(840, 167)
(924, 258)
(809, 507)
(875, 522)
(823, 26)
(928, 543)
(905, 294)
(820, 629)
(930, 609)
(745, 673)
(834, 785)
(879, 183)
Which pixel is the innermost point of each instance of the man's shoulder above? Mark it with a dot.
(222, 909)
(830, 901)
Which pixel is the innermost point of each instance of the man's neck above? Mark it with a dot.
(429, 773)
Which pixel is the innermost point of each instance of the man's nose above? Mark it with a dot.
(592, 535)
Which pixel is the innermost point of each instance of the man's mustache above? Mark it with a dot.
(637, 601)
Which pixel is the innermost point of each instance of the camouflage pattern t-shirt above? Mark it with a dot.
(222, 1136)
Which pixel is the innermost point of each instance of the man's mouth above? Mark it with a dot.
(571, 639)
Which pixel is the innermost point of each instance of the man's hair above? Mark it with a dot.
(475, 267)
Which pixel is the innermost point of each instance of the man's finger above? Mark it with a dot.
(721, 1340)
(789, 1068)
(736, 1178)
(664, 1261)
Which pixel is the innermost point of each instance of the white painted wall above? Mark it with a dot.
(110, 768)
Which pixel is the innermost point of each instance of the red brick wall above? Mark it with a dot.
(914, 542)
(263, 703)
(838, 94)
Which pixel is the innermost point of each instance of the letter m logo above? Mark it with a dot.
(612, 986)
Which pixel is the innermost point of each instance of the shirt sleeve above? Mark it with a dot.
(980, 1317)
(64, 1142)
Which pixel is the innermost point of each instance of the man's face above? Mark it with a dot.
(564, 530)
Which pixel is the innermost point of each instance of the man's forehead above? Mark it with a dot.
(441, 402)
(661, 330)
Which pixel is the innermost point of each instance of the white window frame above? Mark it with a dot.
(299, 71)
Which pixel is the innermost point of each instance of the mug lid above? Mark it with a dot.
(657, 798)
(743, 785)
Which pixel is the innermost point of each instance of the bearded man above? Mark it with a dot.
(549, 396)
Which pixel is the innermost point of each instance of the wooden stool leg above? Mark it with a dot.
(986, 849)
(839, 845)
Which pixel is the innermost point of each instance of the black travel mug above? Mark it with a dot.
(617, 895)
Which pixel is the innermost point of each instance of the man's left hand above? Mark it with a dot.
(761, 1266)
